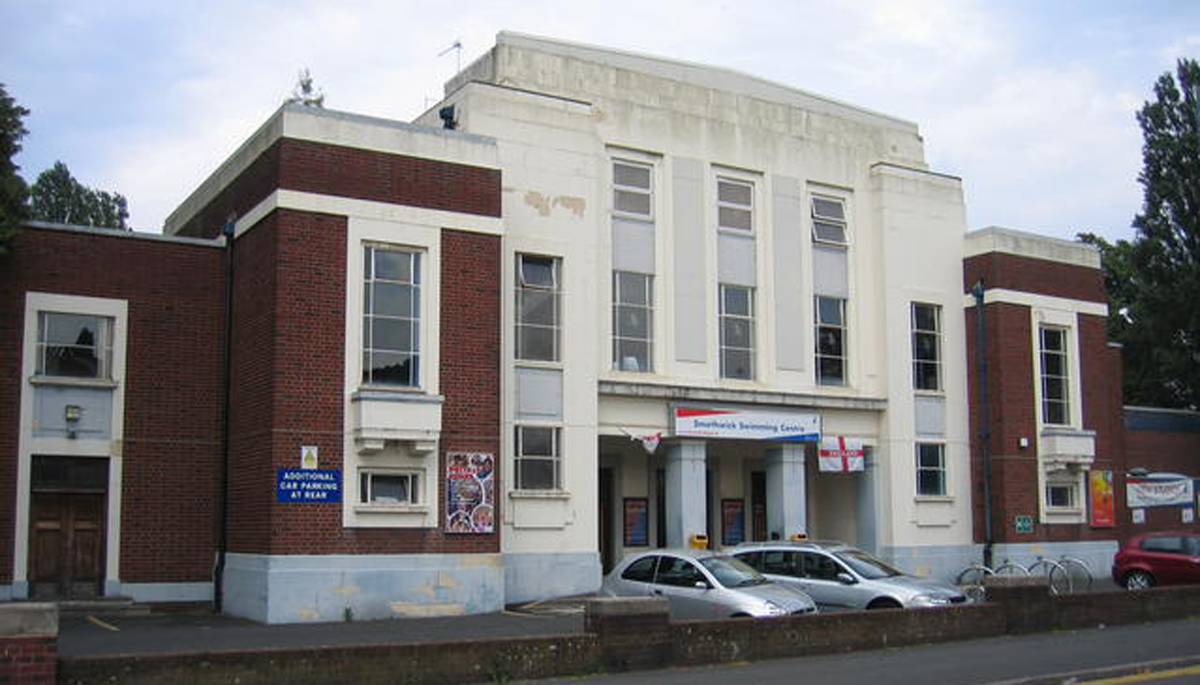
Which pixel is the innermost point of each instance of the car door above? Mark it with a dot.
(637, 579)
(821, 573)
(686, 588)
(1164, 554)
(784, 567)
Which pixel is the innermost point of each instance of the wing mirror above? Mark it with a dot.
(846, 579)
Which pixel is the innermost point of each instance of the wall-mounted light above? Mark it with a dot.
(72, 413)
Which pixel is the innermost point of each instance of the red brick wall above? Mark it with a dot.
(1161, 451)
(172, 386)
(1031, 275)
(349, 172)
(1013, 410)
(29, 660)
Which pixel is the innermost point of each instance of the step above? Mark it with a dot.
(102, 606)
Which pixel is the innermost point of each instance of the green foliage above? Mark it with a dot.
(57, 197)
(1154, 281)
(13, 190)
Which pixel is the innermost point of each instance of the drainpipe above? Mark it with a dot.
(227, 231)
(985, 431)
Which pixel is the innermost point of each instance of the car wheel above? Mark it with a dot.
(884, 604)
(1138, 580)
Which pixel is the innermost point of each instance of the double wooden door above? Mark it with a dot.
(66, 545)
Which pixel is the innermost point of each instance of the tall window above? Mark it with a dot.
(831, 340)
(829, 220)
(537, 458)
(1056, 405)
(538, 292)
(633, 321)
(632, 189)
(931, 468)
(391, 317)
(737, 331)
(927, 346)
(735, 205)
(74, 345)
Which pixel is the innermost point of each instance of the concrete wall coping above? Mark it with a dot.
(626, 606)
(28, 618)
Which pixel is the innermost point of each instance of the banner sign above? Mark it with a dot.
(733, 522)
(1100, 486)
(839, 454)
(637, 522)
(1158, 493)
(469, 492)
(745, 425)
(308, 485)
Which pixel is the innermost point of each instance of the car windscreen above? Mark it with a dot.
(866, 565)
(731, 572)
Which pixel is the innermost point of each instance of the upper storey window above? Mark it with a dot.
(74, 346)
(927, 346)
(391, 317)
(633, 192)
(538, 294)
(735, 205)
(1056, 404)
(829, 220)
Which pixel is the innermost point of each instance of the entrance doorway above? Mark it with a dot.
(68, 505)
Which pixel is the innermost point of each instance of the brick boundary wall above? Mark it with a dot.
(634, 634)
(28, 644)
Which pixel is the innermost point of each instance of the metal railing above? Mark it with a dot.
(1065, 576)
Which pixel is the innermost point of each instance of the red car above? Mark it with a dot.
(1158, 559)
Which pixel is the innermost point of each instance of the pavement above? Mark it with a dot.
(200, 631)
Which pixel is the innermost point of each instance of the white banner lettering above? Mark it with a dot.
(1158, 493)
(745, 425)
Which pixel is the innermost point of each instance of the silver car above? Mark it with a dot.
(703, 584)
(838, 576)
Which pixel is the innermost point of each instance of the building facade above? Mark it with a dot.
(591, 302)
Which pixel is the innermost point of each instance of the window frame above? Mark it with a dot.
(618, 305)
(940, 469)
(936, 334)
(522, 288)
(749, 208)
(618, 187)
(1073, 495)
(842, 222)
(414, 319)
(1045, 379)
(749, 318)
(367, 474)
(101, 349)
(844, 334)
(554, 458)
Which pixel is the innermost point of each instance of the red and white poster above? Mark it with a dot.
(839, 454)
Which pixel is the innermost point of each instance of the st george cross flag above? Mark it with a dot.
(840, 454)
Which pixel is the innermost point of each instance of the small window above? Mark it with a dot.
(782, 564)
(927, 346)
(633, 321)
(1062, 496)
(74, 345)
(538, 304)
(641, 570)
(537, 458)
(931, 469)
(831, 340)
(1056, 404)
(735, 205)
(820, 567)
(737, 331)
(679, 573)
(633, 189)
(829, 220)
(389, 488)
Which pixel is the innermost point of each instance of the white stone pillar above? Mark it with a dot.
(787, 491)
(686, 504)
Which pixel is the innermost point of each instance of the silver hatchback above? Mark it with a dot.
(703, 584)
(838, 576)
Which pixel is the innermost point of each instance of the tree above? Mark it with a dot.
(1154, 281)
(306, 93)
(13, 191)
(57, 197)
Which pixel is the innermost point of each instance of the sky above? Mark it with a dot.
(1031, 103)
